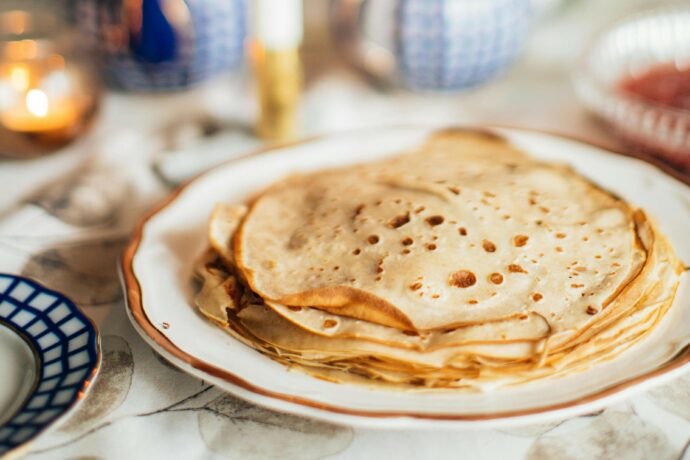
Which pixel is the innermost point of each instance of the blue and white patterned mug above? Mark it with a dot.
(432, 44)
(150, 45)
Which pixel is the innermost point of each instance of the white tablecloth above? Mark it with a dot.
(90, 195)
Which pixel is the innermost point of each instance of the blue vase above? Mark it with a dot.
(163, 45)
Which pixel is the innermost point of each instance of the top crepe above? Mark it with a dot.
(461, 231)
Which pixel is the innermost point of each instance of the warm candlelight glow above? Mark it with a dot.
(16, 22)
(47, 93)
(44, 96)
(58, 84)
(19, 77)
(22, 49)
(37, 103)
(39, 113)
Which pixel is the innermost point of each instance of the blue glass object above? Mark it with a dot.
(163, 45)
(154, 42)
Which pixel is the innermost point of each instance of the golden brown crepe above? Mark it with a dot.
(460, 264)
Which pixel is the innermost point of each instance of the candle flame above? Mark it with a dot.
(19, 76)
(37, 103)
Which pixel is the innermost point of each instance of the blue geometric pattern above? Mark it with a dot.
(214, 44)
(66, 345)
(453, 44)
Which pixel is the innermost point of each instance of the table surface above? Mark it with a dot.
(65, 218)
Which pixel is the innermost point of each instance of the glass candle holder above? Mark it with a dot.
(48, 93)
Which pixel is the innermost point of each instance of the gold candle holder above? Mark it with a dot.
(279, 78)
(277, 34)
(48, 94)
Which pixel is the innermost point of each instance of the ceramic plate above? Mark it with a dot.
(157, 270)
(49, 355)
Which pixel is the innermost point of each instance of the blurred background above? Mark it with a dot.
(188, 83)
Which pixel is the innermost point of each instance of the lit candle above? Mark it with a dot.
(37, 113)
(47, 95)
(278, 33)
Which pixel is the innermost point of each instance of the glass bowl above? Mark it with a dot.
(628, 50)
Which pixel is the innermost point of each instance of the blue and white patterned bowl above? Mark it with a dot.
(66, 349)
(433, 45)
(453, 44)
(166, 44)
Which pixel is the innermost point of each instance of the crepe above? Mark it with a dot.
(460, 264)
(411, 253)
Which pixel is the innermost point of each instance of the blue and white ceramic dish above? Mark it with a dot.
(49, 356)
(432, 45)
(451, 44)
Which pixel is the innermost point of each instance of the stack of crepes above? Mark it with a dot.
(459, 264)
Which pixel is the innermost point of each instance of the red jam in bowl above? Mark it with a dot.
(664, 129)
(664, 84)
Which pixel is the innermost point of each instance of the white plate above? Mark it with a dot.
(157, 271)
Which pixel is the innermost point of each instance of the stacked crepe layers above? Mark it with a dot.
(461, 264)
